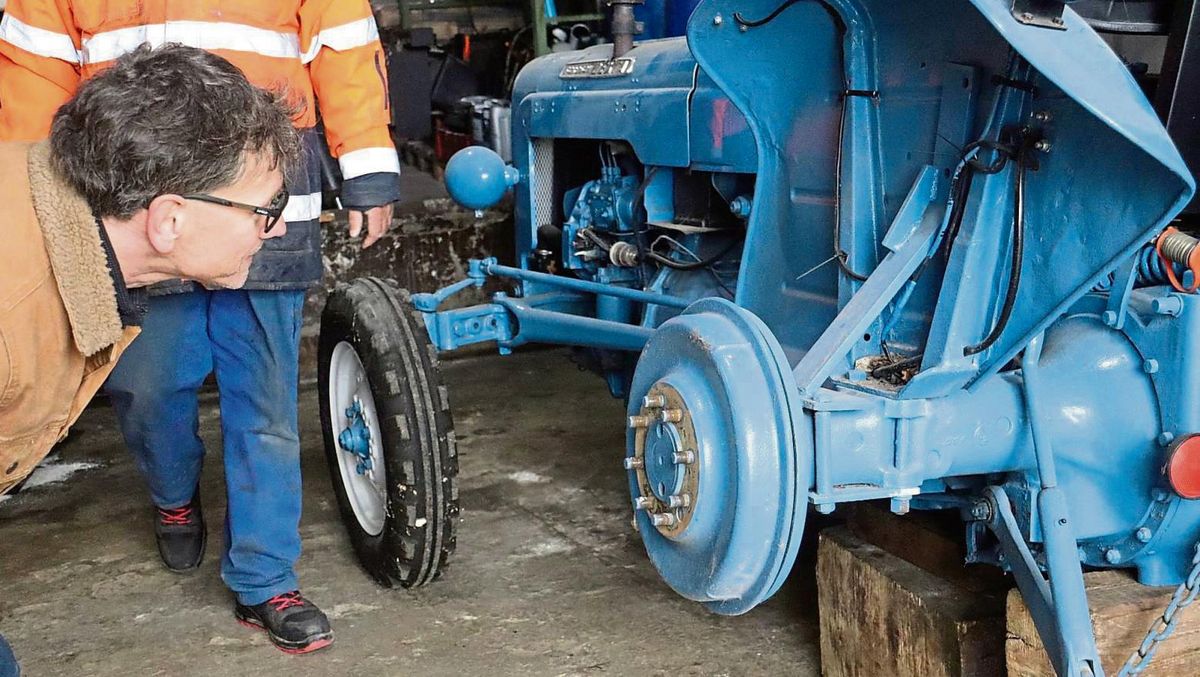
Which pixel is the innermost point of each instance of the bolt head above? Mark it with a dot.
(981, 511)
(685, 457)
(1112, 556)
(679, 500)
(1109, 317)
(1043, 146)
(1150, 366)
(1026, 16)
(1042, 116)
(670, 415)
(718, 20)
(1166, 438)
(663, 519)
(1143, 535)
(633, 462)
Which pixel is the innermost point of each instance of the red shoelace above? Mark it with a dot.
(180, 516)
(286, 600)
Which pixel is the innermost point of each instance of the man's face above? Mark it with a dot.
(219, 242)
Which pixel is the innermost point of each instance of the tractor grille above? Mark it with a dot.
(543, 182)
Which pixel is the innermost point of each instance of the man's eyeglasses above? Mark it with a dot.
(273, 211)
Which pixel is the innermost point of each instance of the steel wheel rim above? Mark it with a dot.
(366, 491)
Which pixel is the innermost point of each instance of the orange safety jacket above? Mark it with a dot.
(317, 50)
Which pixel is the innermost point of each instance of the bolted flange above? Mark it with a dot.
(664, 460)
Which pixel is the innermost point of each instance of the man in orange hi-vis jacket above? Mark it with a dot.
(326, 56)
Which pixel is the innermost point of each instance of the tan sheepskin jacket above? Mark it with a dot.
(60, 333)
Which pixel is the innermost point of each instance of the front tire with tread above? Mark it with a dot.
(412, 410)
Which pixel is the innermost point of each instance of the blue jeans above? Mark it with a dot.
(8, 662)
(251, 341)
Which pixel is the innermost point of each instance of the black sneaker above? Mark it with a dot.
(293, 623)
(181, 536)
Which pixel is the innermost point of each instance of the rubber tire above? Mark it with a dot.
(413, 411)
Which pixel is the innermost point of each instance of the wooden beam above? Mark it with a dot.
(1122, 611)
(883, 615)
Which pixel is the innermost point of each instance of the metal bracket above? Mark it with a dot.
(1063, 621)
(1040, 13)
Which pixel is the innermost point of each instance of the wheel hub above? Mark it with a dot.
(664, 460)
(716, 473)
(355, 438)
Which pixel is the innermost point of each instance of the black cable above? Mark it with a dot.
(693, 265)
(737, 16)
(1018, 256)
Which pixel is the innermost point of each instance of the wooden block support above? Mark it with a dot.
(882, 615)
(1122, 612)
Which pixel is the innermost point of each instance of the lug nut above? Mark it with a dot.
(670, 415)
(633, 462)
(663, 519)
(643, 503)
(679, 500)
(639, 421)
(685, 457)
(654, 402)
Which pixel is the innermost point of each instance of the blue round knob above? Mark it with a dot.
(477, 177)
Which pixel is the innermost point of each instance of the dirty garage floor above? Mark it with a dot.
(549, 578)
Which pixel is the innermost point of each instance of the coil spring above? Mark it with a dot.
(1151, 271)
(1178, 247)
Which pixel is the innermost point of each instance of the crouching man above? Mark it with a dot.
(167, 165)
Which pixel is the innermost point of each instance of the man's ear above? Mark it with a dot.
(164, 222)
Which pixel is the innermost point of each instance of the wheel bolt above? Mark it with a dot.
(679, 500)
(670, 415)
(685, 457)
(632, 462)
(654, 402)
(639, 421)
(663, 519)
(643, 503)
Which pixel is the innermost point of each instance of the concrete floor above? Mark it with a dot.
(549, 578)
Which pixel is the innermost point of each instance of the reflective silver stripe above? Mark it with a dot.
(343, 37)
(38, 40)
(207, 35)
(302, 208)
(369, 161)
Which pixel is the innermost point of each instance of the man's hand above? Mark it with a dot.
(379, 219)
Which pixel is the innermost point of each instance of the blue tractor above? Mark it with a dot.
(828, 251)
